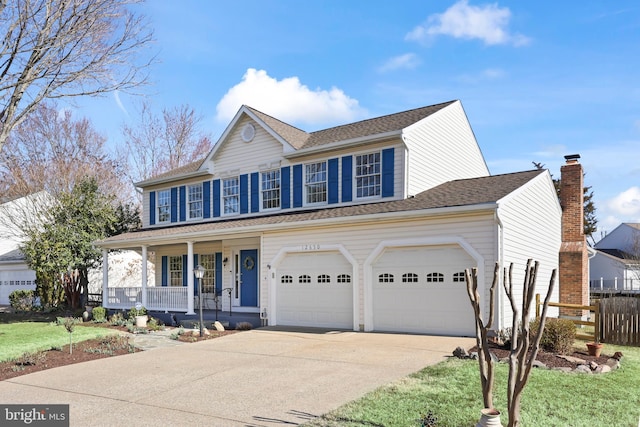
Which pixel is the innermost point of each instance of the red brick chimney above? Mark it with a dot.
(574, 261)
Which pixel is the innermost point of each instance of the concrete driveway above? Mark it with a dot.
(263, 377)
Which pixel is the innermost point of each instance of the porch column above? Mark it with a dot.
(189, 274)
(144, 276)
(105, 278)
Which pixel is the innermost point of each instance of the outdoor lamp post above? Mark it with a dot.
(199, 273)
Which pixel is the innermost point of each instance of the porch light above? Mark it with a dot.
(199, 273)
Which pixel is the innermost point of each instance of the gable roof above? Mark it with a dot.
(473, 193)
(621, 256)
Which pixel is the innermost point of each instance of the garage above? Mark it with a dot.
(422, 289)
(315, 289)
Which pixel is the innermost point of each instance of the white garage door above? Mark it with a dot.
(315, 289)
(422, 290)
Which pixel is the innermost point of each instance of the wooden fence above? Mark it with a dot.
(620, 320)
(592, 308)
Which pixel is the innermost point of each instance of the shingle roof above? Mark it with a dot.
(12, 256)
(465, 192)
(294, 136)
(622, 256)
(191, 167)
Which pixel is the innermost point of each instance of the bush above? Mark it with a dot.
(137, 312)
(22, 300)
(155, 324)
(558, 335)
(99, 314)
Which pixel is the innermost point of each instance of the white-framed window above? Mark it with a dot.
(409, 278)
(270, 189)
(164, 206)
(315, 182)
(304, 278)
(175, 270)
(286, 279)
(343, 278)
(368, 175)
(324, 278)
(385, 278)
(231, 195)
(459, 276)
(208, 262)
(194, 201)
(435, 277)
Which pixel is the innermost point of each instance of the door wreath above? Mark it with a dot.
(249, 263)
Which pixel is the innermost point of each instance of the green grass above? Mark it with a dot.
(451, 390)
(27, 337)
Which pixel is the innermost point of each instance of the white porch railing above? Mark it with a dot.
(158, 298)
(615, 284)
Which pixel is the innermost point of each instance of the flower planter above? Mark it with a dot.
(594, 348)
(489, 417)
(141, 321)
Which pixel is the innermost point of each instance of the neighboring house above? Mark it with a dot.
(367, 226)
(616, 262)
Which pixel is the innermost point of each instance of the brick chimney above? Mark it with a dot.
(574, 261)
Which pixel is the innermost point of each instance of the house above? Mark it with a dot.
(615, 264)
(367, 226)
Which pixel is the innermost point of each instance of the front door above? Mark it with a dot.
(248, 277)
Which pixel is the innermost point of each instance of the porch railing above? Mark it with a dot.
(158, 298)
(615, 284)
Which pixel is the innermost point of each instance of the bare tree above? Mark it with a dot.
(66, 48)
(160, 143)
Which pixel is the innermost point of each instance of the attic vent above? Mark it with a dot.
(248, 132)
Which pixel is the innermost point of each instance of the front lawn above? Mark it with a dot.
(451, 390)
(28, 337)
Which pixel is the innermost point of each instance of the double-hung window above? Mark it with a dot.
(231, 195)
(164, 206)
(208, 261)
(315, 182)
(175, 270)
(271, 189)
(368, 175)
(194, 201)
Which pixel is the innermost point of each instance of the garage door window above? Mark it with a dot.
(458, 277)
(286, 279)
(344, 278)
(324, 278)
(385, 278)
(435, 277)
(409, 278)
(305, 278)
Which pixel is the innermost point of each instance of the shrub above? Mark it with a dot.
(243, 326)
(137, 312)
(155, 324)
(99, 314)
(22, 299)
(558, 335)
(117, 319)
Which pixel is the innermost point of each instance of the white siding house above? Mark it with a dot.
(615, 263)
(367, 226)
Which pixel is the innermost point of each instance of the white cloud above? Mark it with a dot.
(488, 23)
(626, 204)
(408, 61)
(288, 100)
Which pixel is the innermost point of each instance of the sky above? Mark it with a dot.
(538, 80)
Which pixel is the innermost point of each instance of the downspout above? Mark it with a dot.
(500, 245)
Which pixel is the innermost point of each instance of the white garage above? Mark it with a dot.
(422, 289)
(315, 289)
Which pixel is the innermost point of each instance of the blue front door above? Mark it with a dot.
(249, 278)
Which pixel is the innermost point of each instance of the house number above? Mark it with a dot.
(311, 247)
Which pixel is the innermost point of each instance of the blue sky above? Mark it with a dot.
(538, 80)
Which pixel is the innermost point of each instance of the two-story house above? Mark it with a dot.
(615, 262)
(366, 226)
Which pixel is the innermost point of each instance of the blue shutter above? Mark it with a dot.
(165, 271)
(206, 199)
(255, 193)
(152, 208)
(297, 186)
(183, 203)
(218, 273)
(347, 178)
(285, 187)
(244, 194)
(216, 197)
(332, 197)
(195, 281)
(387, 172)
(184, 270)
(174, 204)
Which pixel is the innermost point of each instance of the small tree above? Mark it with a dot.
(69, 325)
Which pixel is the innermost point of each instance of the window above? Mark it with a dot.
(315, 182)
(368, 175)
(324, 278)
(305, 278)
(435, 277)
(194, 201)
(458, 277)
(409, 278)
(385, 278)
(164, 205)
(271, 189)
(231, 195)
(286, 279)
(344, 278)
(175, 270)
(208, 261)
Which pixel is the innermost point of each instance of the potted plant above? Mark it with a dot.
(594, 348)
(139, 313)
